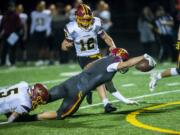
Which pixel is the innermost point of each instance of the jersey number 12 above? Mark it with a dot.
(88, 45)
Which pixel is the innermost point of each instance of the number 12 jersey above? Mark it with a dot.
(85, 40)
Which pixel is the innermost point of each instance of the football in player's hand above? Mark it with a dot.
(144, 66)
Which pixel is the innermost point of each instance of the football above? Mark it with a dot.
(144, 66)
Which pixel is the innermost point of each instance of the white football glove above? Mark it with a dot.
(131, 102)
(153, 81)
(152, 62)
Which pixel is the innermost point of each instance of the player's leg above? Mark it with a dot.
(84, 62)
(57, 92)
(102, 94)
(155, 77)
(70, 105)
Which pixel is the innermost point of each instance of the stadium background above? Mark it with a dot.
(124, 15)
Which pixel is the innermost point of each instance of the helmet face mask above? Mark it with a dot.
(39, 95)
(84, 17)
(123, 55)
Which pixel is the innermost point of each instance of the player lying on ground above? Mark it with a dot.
(20, 99)
(155, 77)
(73, 90)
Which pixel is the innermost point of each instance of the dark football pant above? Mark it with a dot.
(71, 102)
(178, 70)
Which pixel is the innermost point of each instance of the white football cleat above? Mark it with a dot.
(153, 81)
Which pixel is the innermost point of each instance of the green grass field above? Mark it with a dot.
(91, 120)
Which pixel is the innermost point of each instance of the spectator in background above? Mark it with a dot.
(165, 23)
(10, 32)
(67, 10)
(1, 16)
(104, 14)
(51, 38)
(59, 21)
(73, 10)
(145, 28)
(24, 31)
(41, 30)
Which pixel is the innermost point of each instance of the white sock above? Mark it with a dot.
(174, 72)
(105, 101)
(159, 76)
(119, 96)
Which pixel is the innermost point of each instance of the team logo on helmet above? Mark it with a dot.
(84, 17)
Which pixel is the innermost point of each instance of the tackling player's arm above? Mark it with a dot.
(108, 40)
(47, 116)
(11, 118)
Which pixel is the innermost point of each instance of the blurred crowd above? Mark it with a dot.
(158, 33)
(38, 35)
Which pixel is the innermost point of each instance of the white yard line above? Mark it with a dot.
(146, 73)
(44, 82)
(173, 84)
(69, 74)
(137, 97)
(128, 85)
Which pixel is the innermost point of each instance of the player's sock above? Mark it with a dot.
(118, 96)
(173, 72)
(159, 76)
(105, 101)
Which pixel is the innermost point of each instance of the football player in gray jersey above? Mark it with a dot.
(73, 90)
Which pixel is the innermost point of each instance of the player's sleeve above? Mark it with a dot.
(32, 28)
(68, 33)
(113, 67)
(22, 109)
(99, 28)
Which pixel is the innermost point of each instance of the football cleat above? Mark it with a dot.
(109, 108)
(153, 81)
(84, 16)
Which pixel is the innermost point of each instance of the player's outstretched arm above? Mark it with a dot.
(47, 116)
(11, 118)
(133, 61)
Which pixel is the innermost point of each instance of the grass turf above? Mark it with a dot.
(92, 120)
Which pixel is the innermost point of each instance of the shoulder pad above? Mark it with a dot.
(97, 21)
(70, 27)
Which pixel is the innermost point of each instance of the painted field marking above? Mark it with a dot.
(69, 74)
(137, 97)
(131, 118)
(173, 84)
(128, 85)
(44, 82)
